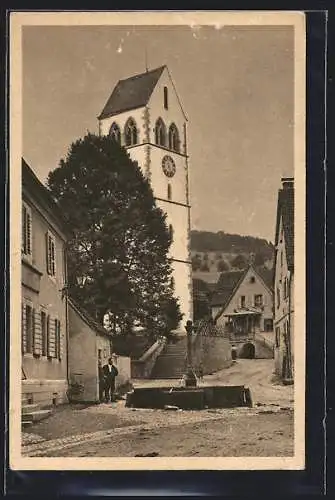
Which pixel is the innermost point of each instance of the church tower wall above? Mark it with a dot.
(171, 191)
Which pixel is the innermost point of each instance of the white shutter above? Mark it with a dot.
(26, 231)
(23, 330)
(37, 333)
(51, 254)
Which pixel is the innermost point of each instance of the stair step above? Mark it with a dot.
(27, 408)
(26, 423)
(36, 416)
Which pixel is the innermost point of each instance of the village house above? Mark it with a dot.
(44, 331)
(90, 345)
(243, 306)
(284, 281)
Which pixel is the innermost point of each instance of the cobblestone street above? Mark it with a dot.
(114, 430)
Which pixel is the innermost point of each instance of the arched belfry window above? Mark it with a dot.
(169, 192)
(174, 138)
(160, 132)
(130, 132)
(115, 133)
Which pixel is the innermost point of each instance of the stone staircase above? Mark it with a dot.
(172, 362)
(32, 412)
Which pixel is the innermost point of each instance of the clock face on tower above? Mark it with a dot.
(168, 165)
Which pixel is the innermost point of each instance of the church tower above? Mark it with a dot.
(144, 114)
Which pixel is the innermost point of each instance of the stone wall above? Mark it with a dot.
(123, 365)
(142, 368)
(211, 349)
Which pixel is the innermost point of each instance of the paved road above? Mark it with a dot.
(113, 430)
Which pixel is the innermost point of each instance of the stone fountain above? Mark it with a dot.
(191, 396)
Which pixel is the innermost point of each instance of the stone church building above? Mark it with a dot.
(144, 114)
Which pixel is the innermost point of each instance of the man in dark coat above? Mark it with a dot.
(110, 372)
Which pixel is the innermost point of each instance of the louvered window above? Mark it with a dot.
(29, 327)
(44, 340)
(26, 231)
(51, 254)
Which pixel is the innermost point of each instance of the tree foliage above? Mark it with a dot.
(239, 262)
(222, 266)
(118, 258)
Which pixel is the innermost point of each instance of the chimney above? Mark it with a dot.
(287, 182)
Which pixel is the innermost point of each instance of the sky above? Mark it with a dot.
(236, 84)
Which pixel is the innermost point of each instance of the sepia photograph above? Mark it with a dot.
(157, 189)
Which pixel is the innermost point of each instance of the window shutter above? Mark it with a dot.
(47, 252)
(52, 338)
(28, 233)
(51, 254)
(37, 331)
(49, 351)
(43, 326)
(53, 257)
(23, 330)
(24, 230)
(60, 341)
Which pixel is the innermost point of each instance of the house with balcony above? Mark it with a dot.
(243, 306)
(44, 331)
(284, 282)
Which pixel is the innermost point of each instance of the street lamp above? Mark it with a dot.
(190, 378)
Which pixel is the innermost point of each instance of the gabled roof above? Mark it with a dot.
(132, 93)
(267, 276)
(285, 212)
(229, 281)
(225, 286)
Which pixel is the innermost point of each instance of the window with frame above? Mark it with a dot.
(130, 132)
(51, 254)
(115, 133)
(268, 325)
(242, 301)
(166, 98)
(174, 138)
(26, 231)
(160, 133)
(169, 192)
(258, 300)
(277, 337)
(278, 297)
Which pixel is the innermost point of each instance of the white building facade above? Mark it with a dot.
(145, 115)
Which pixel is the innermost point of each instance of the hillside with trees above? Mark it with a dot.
(213, 253)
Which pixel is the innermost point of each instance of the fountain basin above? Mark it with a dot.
(197, 398)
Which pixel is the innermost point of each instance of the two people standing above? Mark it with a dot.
(107, 374)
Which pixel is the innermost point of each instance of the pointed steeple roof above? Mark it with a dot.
(132, 93)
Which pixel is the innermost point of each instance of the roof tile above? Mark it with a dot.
(131, 93)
